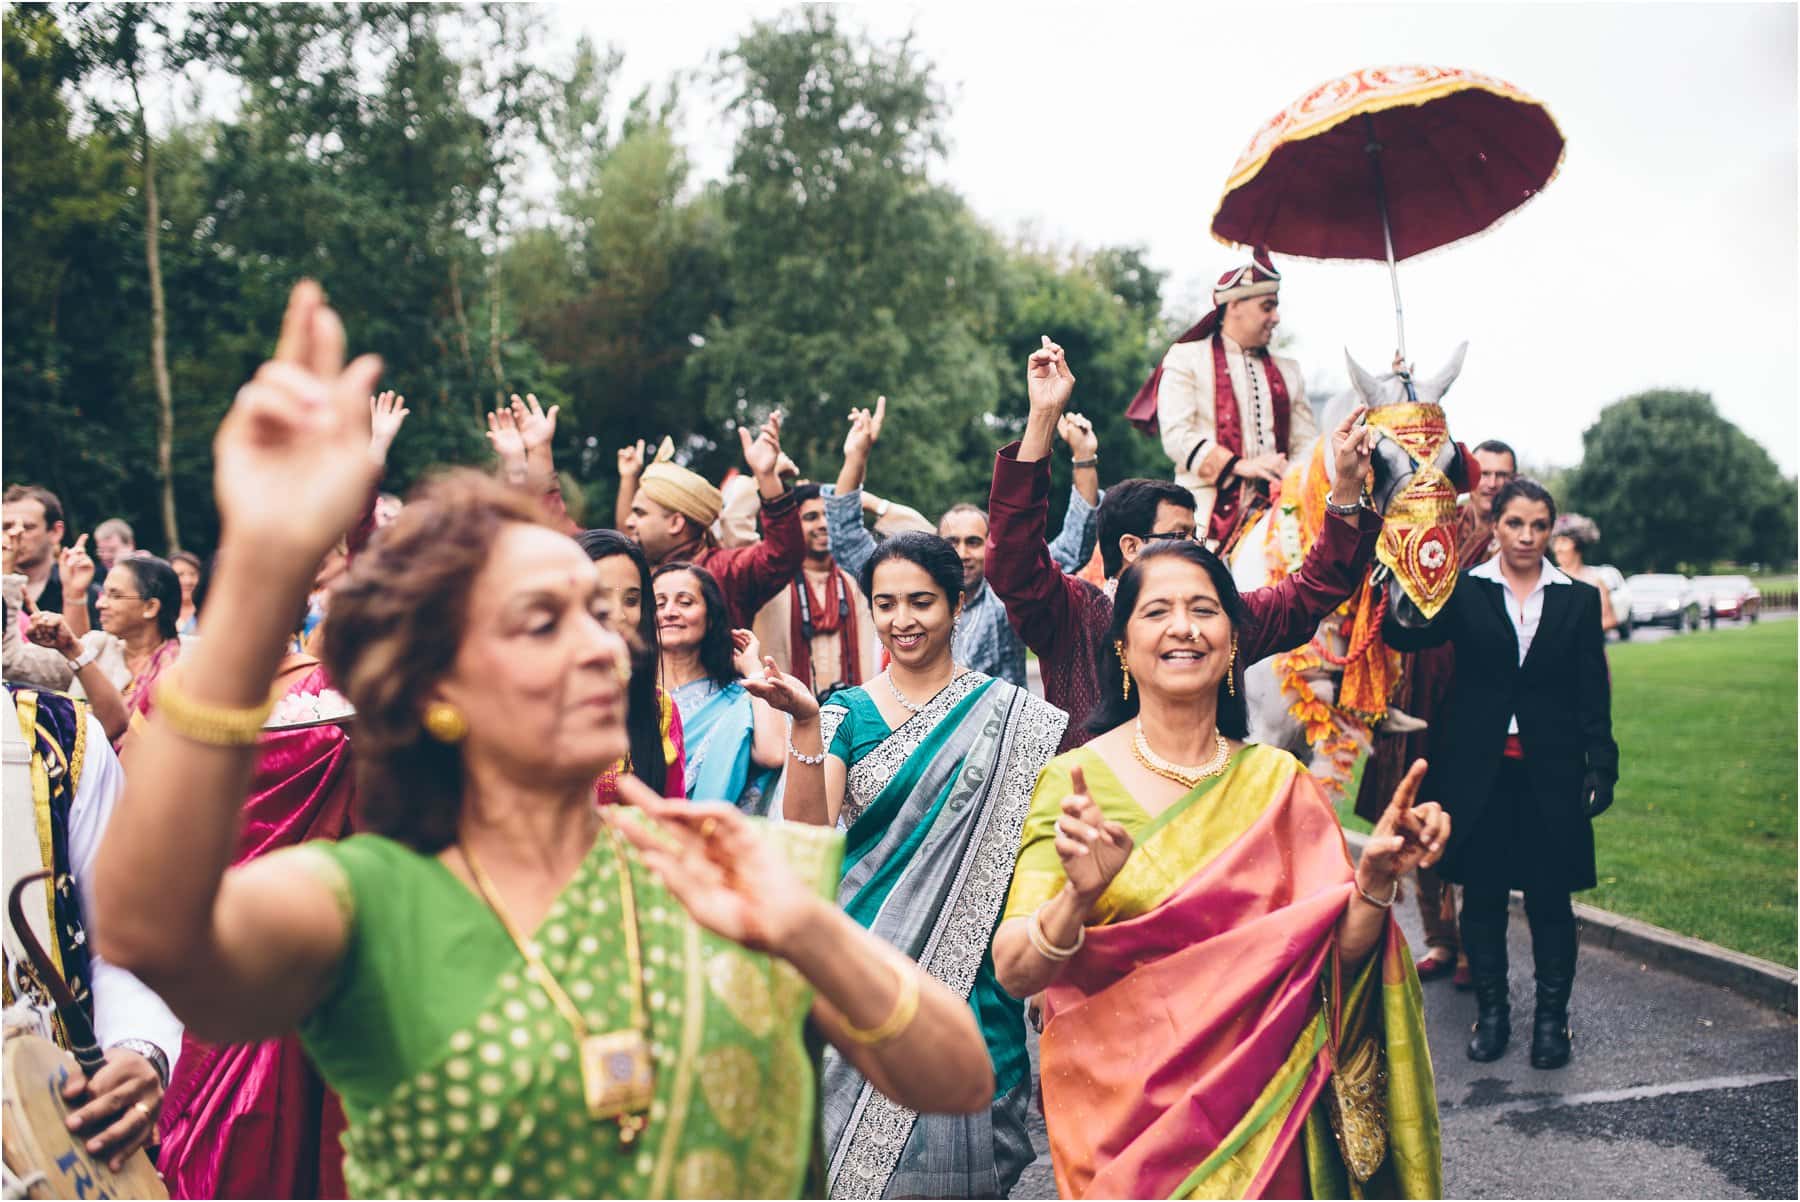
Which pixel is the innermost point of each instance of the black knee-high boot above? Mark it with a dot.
(1485, 944)
(1553, 955)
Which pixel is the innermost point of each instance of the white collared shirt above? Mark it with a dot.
(1524, 615)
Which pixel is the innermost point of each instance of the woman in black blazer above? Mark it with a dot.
(1523, 761)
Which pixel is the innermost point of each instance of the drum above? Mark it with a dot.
(37, 1141)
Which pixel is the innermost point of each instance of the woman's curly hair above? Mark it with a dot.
(392, 630)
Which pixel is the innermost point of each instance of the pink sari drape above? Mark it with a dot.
(255, 1120)
(1164, 1031)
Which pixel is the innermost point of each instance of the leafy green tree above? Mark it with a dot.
(851, 274)
(1674, 485)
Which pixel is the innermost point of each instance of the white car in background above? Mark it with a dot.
(1620, 594)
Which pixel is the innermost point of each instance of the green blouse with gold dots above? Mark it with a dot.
(460, 1079)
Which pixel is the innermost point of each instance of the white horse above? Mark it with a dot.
(1270, 718)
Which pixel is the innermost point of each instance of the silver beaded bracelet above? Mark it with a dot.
(802, 756)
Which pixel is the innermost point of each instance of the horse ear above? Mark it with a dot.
(1365, 384)
(1432, 391)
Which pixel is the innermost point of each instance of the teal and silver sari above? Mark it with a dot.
(935, 810)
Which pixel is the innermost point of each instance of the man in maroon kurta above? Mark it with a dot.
(1064, 619)
(673, 510)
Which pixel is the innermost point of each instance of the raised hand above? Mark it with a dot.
(781, 691)
(1411, 834)
(746, 653)
(536, 426)
(733, 881)
(762, 453)
(76, 569)
(1078, 432)
(49, 630)
(291, 470)
(509, 445)
(387, 413)
(631, 461)
(1048, 381)
(865, 429)
(1093, 848)
(1352, 452)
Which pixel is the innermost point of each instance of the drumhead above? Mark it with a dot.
(37, 1141)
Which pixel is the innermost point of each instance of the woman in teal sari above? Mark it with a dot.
(733, 741)
(930, 766)
(514, 991)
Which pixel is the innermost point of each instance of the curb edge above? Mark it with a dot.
(1762, 981)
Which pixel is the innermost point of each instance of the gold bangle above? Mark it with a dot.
(906, 1008)
(213, 725)
(1040, 939)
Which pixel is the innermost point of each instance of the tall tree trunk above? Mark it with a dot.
(494, 330)
(159, 329)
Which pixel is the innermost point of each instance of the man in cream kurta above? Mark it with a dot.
(1222, 461)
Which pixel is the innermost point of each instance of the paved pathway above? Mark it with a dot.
(1677, 1090)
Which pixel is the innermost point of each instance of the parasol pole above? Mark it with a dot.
(1373, 148)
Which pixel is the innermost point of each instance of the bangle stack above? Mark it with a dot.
(906, 1008)
(1040, 941)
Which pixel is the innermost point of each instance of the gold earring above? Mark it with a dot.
(1231, 668)
(1124, 670)
(445, 723)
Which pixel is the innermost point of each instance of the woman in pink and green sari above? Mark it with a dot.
(1229, 1011)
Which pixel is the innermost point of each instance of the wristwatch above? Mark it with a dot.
(1343, 511)
(1091, 461)
(84, 659)
(158, 1059)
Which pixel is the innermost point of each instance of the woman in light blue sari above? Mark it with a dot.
(931, 767)
(735, 744)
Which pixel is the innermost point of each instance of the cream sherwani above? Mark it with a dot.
(1185, 413)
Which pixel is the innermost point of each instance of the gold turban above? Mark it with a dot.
(674, 487)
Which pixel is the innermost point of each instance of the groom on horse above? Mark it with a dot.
(1229, 412)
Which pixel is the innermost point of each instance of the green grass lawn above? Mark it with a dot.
(1702, 837)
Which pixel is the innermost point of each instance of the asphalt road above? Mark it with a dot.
(1676, 1090)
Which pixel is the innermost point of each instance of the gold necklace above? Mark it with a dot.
(1181, 774)
(616, 1068)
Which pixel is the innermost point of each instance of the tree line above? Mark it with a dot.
(393, 151)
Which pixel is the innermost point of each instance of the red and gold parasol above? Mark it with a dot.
(1387, 163)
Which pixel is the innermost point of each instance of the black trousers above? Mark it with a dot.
(1510, 832)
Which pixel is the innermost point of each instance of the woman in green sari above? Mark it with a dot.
(515, 992)
(930, 766)
(1229, 1011)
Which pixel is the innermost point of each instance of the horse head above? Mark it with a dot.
(1395, 467)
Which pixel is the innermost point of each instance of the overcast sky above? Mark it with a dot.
(1665, 253)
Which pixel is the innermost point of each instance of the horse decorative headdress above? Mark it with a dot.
(1418, 532)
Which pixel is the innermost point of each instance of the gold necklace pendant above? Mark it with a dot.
(617, 1078)
(1181, 774)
